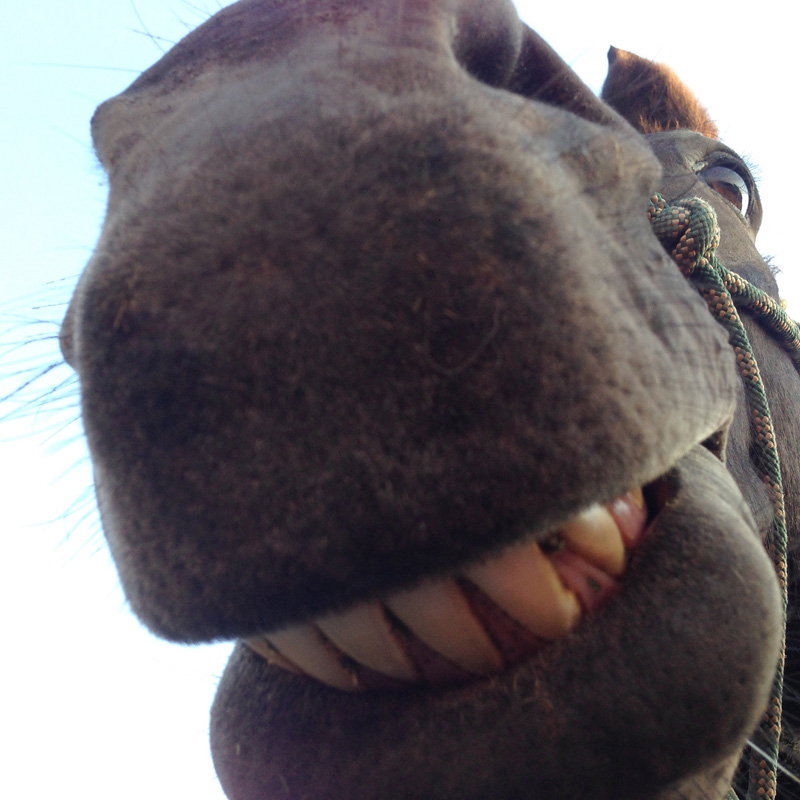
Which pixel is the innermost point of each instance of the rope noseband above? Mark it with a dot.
(689, 232)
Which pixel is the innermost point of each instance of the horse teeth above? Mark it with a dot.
(306, 648)
(261, 646)
(364, 633)
(438, 613)
(590, 583)
(594, 535)
(545, 587)
(630, 514)
(525, 584)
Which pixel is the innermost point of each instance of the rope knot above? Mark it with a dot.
(688, 230)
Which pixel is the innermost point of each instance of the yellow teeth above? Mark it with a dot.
(364, 633)
(307, 650)
(382, 638)
(438, 613)
(524, 583)
(594, 534)
(267, 651)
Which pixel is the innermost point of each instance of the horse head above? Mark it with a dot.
(385, 376)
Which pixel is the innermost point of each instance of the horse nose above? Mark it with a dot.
(338, 264)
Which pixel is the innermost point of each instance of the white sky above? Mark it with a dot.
(91, 705)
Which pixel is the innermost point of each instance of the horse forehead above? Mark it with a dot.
(685, 150)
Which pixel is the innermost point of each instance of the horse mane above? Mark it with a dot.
(652, 97)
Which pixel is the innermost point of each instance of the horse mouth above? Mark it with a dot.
(480, 621)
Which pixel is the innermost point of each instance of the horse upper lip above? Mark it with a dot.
(453, 628)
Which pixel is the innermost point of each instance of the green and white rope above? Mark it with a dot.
(689, 232)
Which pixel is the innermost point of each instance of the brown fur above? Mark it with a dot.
(654, 97)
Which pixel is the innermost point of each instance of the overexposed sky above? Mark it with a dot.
(91, 705)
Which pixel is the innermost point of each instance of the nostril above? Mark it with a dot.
(717, 443)
(488, 40)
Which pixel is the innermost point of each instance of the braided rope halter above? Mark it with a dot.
(689, 232)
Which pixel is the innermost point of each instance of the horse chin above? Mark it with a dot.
(595, 711)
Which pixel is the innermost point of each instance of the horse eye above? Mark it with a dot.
(728, 184)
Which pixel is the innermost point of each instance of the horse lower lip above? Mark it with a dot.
(475, 623)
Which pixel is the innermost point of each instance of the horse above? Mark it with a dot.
(386, 376)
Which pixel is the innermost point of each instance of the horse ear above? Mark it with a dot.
(652, 97)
